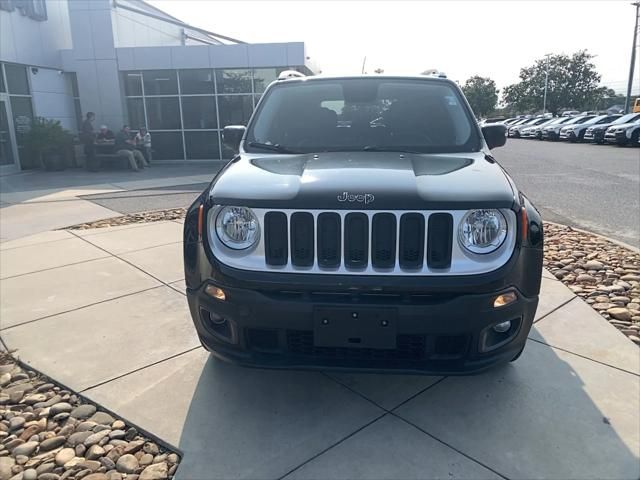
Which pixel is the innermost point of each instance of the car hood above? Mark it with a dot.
(364, 180)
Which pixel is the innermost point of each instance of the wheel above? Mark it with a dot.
(517, 355)
(634, 138)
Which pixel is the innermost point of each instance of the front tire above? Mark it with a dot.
(634, 138)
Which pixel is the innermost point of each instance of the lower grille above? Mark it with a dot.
(409, 347)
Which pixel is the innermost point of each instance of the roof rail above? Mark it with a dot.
(290, 74)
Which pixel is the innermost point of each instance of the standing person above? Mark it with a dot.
(125, 146)
(87, 137)
(143, 140)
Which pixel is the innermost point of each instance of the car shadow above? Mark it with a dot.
(551, 414)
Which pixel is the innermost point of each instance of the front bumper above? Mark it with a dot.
(594, 136)
(549, 135)
(435, 334)
(567, 135)
(616, 138)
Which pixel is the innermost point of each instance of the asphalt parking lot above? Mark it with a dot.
(594, 187)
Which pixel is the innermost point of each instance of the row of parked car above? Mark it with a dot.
(590, 127)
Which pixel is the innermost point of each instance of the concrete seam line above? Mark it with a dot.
(617, 242)
(86, 399)
(557, 308)
(449, 446)
(585, 357)
(59, 266)
(313, 457)
(130, 226)
(125, 260)
(80, 308)
(143, 249)
(34, 244)
(135, 370)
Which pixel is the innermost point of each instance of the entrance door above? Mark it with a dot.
(7, 145)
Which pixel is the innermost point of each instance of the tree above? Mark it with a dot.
(572, 84)
(482, 95)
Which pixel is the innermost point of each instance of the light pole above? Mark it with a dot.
(546, 83)
(627, 102)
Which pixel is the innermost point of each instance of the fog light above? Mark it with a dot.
(502, 327)
(504, 299)
(215, 292)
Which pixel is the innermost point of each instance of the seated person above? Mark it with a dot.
(126, 146)
(105, 135)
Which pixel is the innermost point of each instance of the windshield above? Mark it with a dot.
(423, 116)
(628, 118)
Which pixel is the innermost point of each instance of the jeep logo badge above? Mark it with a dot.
(365, 198)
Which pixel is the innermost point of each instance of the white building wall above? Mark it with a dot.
(134, 30)
(30, 42)
(53, 97)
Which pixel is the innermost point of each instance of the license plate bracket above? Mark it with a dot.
(355, 327)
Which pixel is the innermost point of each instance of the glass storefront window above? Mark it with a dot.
(262, 77)
(196, 81)
(167, 145)
(202, 145)
(199, 112)
(17, 80)
(160, 82)
(132, 84)
(136, 113)
(235, 109)
(163, 113)
(233, 81)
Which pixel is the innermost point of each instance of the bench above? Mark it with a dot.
(103, 156)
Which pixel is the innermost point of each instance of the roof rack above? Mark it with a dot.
(290, 74)
(433, 72)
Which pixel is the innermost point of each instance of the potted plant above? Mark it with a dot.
(49, 143)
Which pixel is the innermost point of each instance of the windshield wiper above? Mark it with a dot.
(373, 148)
(274, 147)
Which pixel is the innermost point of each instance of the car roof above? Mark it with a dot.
(321, 78)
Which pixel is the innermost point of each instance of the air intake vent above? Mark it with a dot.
(440, 233)
(383, 240)
(411, 251)
(275, 235)
(302, 239)
(329, 232)
(356, 240)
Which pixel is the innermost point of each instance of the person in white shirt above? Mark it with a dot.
(143, 141)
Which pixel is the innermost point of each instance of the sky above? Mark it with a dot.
(460, 38)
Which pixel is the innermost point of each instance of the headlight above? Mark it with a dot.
(482, 231)
(237, 227)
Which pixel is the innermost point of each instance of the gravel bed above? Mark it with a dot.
(142, 217)
(48, 433)
(604, 274)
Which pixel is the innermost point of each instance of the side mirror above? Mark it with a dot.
(232, 136)
(495, 135)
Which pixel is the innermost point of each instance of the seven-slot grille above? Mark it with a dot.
(358, 241)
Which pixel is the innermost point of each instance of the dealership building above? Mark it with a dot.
(130, 63)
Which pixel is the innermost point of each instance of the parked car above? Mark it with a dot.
(623, 134)
(536, 131)
(595, 133)
(552, 132)
(514, 131)
(575, 133)
(300, 254)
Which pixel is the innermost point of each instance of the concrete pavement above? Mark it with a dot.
(109, 319)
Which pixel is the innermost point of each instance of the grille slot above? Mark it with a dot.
(275, 238)
(356, 240)
(329, 233)
(411, 251)
(302, 253)
(440, 236)
(383, 240)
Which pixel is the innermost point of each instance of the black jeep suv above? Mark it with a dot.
(363, 224)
